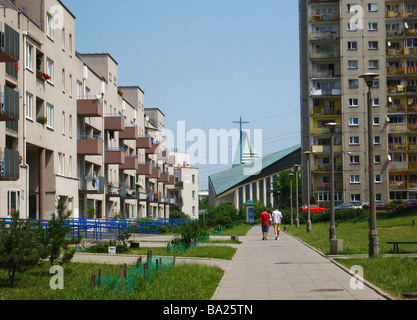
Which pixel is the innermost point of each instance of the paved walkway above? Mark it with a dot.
(285, 269)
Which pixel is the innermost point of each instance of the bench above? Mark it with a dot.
(396, 243)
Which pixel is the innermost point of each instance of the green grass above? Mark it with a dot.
(183, 282)
(355, 234)
(395, 275)
(214, 252)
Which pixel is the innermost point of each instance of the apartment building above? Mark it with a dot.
(72, 133)
(339, 41)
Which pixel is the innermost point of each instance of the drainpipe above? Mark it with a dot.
(25, 33)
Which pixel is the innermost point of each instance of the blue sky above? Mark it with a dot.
(205, 62)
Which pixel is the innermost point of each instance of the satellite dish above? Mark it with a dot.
(406, 25)
(389, 99)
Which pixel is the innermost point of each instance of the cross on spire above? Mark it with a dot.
(241, 122)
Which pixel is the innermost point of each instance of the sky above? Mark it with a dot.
(204, 64)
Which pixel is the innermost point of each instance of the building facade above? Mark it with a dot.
(69, 132)
(339, 41)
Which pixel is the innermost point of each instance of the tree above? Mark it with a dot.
(19, 245)
(225, 215)
(55, 242)
(281, 188)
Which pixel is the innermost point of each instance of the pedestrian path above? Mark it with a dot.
(286, 269)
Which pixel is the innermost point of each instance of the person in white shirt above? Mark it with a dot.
(276, 220)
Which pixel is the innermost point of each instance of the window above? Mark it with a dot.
(63, 122)
(70, 167)
(50, 69)
(372, 7)
(354, 159)
(63, 39)
(378, 178)
(353, 121)
(355, 179)
(353, 140)
(375, 102)
(352, 45)
(373, 64)
(373, 45)
(377, 159)
(355, 198)
(375, 83)
(376, 121)
(352, 26)
(29, 56)
(353, 83)
(79, 90)
(49, 26)
(372, 26)
(377, 140)
(70, 43)
(353, 64)
(353, 102)
(13, 201)
(70, 85)
(70, 125)
(49, 115)
(29, 105)
(63, 80)
(61, 164)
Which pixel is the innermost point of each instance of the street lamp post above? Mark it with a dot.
(332, 230)
(373, 232)
(308, 224)
(297, 220)
(291, 221)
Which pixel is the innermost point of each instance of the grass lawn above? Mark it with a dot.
(355, 234)
(395, 275)
(183, 282)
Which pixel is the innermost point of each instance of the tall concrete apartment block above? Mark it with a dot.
(339, 41)
(69, 132)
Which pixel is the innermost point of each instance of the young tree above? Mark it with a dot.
(19, 245)
(55, 242)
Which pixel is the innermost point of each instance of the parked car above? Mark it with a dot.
(410, 204)
(347, 206)
(313, 208)
(378, 206)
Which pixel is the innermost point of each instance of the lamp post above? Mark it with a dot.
(373, 232)
(291, 221)
(332, 230)
(297, 220)
(308, 224)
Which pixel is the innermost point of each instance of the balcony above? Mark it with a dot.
(90, 145)
(130, 132)
(9, 105)
(325, 148)
(325, 186)
(325, 111)
(327, 167)
(89, 106)
(328, 35)
(9, 45)
(114, 156)
(9, 165)
(316, 17)
(131, 162)
(114, 122)
(326, 92)
(153, 148)
(144, 169)
(144, 143)
(91, 185)
(317, 54)
(324, 130)
(167, 179)
(156, 173)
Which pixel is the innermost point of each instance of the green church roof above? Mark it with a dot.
(228, 179)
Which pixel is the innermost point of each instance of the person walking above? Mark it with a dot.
(276, 220)
(265, 221)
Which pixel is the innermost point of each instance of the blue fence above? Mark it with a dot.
(105, 229)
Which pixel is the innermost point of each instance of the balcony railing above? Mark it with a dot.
(89, 106)
(315, 54)
(9, 164)
(9, 45)
(329, 35)
(91, 185)
(114, 156)
(9, 105)
(326, 92)
(131, 162)
(324, 110)
(114, 122)
(90, 145)
(324, 17)
(130, 132)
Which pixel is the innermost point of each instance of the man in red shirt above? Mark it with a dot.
(265, 219)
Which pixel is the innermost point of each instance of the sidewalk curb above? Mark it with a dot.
(330, 258)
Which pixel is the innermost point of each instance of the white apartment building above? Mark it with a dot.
(72, 133)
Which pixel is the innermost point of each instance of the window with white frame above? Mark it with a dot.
(355, 198)
(352, 26)
(353, 83)
(353, 64)
(49, 115)
(372, 26)
(353, 102)
(377, 121)
(355, 179)
(377, 159)
(353, 121)
(61, 163)
(353, 140)
(354, 159)
(352, 45)
(373, 45)
(29, 56)
(377, 140)
(50, 26)
(375, 102)
(373, 64)
(29, 105)
(50, 69)
(13, 201)
(378, 178)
